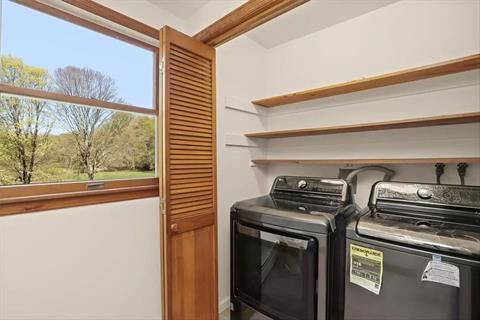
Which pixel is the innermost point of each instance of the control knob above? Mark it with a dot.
(424, 193)
(302, 184)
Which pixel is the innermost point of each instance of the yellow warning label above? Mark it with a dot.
(366, 268)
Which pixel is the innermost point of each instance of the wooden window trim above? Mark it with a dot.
(36, 5)
(111, 16)
(39, 94)
(17, 199)
(114, 16)
(245, 18)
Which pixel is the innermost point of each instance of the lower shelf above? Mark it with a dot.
(367, 161)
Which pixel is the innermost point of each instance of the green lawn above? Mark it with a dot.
(67, 175)
(110, 175)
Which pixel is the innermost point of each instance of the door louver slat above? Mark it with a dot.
(190, 124)
(191, 195)
(185, 107)
(187, 80)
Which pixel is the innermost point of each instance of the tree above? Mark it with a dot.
(135, 146)
(145, 128)
(93, 129)
(4, 176)
(25, 123)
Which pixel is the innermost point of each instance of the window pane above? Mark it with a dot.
(74, 59)
(54, 142)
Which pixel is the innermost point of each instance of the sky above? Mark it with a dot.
(44, 41)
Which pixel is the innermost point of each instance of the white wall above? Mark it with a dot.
(92, 262)
(402, 35)
(102, 262)
(240, 74)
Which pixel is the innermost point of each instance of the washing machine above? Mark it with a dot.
(415, 254)
(287, 250)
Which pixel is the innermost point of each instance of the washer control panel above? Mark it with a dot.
(424, 193)
(435, 194)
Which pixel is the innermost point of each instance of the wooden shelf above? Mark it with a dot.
(367, 161)
(408, 75)
(458, 118)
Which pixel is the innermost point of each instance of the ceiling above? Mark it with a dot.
(310, 17)
(183, 9)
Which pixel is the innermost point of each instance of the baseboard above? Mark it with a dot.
(223, 304)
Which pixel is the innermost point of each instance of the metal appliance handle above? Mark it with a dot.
(273, 238)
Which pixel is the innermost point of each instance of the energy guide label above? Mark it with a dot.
(366, 268)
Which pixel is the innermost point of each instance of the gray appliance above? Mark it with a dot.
(286, 246)
(415, 254)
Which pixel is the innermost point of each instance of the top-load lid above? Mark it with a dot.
(304, 203)
(439, 217)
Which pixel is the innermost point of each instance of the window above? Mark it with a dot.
(42, 141)
(77, 106)
(62, 49)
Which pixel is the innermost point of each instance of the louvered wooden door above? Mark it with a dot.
(189, 178)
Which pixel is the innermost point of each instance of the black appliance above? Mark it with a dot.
(415, 254)
(285, 246)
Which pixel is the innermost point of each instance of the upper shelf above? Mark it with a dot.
(458, 118)
(408, 75)
(368, 161)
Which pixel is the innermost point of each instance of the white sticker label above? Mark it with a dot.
(366, 268)
(442, 272)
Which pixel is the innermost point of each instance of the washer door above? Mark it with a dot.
(275, 272)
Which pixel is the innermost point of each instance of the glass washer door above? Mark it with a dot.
(276, 272)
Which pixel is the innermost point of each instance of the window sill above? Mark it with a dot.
(43, 197)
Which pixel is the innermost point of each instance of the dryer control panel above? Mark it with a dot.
(309, 185)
